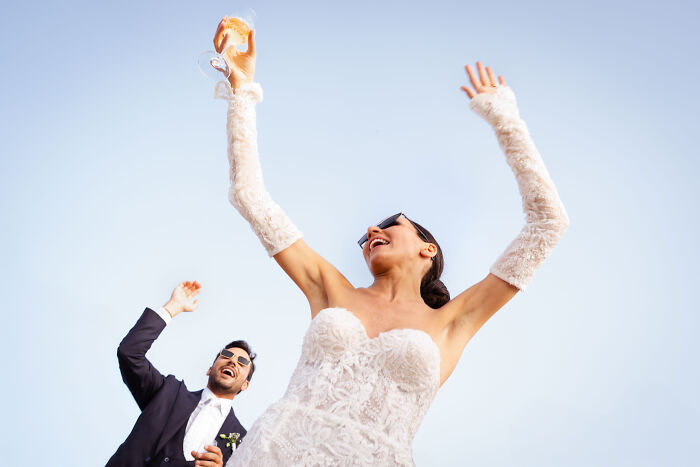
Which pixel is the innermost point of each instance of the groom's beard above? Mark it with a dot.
(220, 386)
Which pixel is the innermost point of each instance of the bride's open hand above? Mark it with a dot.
(486, 82)
(242, 64)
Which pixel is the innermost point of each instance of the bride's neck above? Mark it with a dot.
(397, 286)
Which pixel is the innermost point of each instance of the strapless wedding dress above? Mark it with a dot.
(352, 400)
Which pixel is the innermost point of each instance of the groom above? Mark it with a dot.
(177, 427)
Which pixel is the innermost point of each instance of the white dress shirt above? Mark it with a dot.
(206, 419)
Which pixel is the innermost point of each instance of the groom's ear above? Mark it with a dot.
(208, 371)
(244, 386)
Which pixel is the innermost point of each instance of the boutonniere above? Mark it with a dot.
(230, 439)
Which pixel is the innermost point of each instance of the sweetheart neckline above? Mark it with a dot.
(364, 330)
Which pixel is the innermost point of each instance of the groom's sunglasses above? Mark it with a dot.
(393, 220)
(240, 359)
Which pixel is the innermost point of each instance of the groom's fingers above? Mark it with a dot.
(208, 464)
(201, 461)
(213, 455)
(213, 458)
(213, 449)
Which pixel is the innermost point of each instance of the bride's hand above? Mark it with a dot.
(242, 64)
(485, 83)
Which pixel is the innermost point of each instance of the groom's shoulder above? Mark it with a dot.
(172, 382)
(174, 390)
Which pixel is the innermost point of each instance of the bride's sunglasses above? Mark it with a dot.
(240, 359)
(394, 220)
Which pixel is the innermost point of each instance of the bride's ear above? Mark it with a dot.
(429, 250)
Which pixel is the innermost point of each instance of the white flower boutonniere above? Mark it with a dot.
(230, 439)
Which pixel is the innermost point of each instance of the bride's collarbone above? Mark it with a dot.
(378, 318)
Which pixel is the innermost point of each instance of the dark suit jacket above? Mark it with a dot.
(165, 402)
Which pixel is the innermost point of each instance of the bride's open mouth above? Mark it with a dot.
(377, 242)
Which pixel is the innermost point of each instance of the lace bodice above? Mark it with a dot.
(352, 400)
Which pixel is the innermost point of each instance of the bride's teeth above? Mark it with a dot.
(377, 241)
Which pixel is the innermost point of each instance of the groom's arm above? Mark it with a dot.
(139, 375)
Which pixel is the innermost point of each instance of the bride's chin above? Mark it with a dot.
(379, 263)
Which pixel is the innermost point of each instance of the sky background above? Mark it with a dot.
(114, 188)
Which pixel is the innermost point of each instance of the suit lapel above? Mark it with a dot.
(182, 408)
(231, 425)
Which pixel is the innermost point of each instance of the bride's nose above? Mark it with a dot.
(373, 230)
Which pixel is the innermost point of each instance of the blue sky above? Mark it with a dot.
(114, 189)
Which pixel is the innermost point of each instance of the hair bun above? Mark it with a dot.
(434, 293)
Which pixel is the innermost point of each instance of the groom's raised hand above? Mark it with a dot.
(213, 458)
(183, 298)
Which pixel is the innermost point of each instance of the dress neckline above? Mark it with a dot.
(364, 330)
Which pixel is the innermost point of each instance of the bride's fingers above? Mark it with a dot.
(218, 36)
(502, 80)
(251, 43)
(482, 74)
(469, 92)
(492, 78)
(475, 82)
(224, 43)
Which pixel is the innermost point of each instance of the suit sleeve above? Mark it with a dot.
(139, 375)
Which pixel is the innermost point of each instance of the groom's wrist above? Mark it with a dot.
(164, 315)
(173, 309)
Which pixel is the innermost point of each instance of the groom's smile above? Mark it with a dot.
(229, 371)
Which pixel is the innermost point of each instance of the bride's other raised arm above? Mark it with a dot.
(280, 237)
(545, 216)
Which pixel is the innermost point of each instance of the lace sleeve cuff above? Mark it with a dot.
(250, 92)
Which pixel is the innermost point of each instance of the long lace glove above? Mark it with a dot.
(247, 192)
(545, 216)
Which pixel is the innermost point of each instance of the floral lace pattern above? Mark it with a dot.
(352, 400)
(545, 216)
(247, 193)
(355, 400)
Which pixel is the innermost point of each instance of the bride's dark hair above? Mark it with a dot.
(433, 291)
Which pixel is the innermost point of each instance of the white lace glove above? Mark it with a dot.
(247, 192)
(545, 216)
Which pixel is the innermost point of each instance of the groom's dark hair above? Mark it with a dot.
(241, 344)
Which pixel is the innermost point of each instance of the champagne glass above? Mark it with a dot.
(212, 63)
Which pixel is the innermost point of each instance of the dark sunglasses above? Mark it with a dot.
(240, 359)
(394, 220)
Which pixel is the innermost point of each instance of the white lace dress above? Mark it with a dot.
(352, 400)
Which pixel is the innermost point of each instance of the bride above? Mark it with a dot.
(373, 358)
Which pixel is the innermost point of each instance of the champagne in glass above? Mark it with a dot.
(213, 64)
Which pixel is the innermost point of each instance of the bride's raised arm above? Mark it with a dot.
(545, 216)
(280, 237)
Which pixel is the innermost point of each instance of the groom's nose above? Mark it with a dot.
(234, 362)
